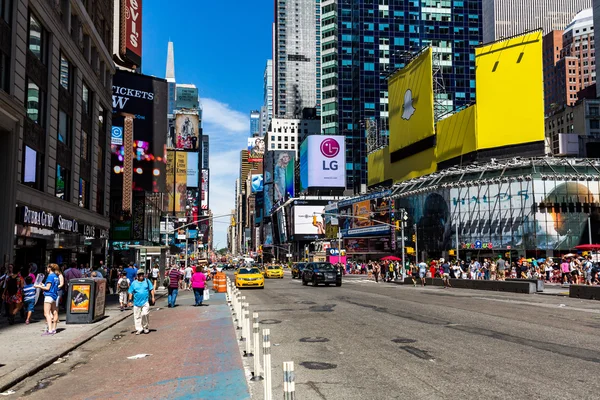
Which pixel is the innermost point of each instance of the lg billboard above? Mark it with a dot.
(323, 162)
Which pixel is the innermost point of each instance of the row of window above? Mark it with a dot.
(285, 146)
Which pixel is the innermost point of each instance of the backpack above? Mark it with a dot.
(124, 285)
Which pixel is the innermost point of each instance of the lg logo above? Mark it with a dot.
(330, 148)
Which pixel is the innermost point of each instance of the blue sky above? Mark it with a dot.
(222, 47)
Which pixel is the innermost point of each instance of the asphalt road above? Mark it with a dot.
(385, 341)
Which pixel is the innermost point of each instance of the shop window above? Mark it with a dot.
(33, 163)
(84, 193)
(62, 182)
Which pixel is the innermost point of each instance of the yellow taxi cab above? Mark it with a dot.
(249, 277)
(274, 271)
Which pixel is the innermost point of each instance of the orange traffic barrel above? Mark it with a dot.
(222, 287)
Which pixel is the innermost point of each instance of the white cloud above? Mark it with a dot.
(221, 116)
(224, 170)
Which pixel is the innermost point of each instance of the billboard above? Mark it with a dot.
(259, 209)
(193, 173)
(323, 162)
(177, 180)
(366, 215)
(205, 188)
(257, 183)
(130, 38)
(510, 72)
(268, 183)
(283, 175)
(256, 149)
(411, 102)
(144, 98)
(187, 97)
(303, 221)
(187, 130)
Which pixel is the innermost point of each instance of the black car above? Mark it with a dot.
(321, 272)
(297, 270)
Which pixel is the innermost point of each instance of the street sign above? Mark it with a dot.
(288, 255)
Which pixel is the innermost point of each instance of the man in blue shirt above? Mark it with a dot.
(140, 291)
(131, 272)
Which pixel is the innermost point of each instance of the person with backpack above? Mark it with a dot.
(13, 292)
(141, 296)
(123, 287)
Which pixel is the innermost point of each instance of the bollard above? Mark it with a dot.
(256, 341)
(267, 363)
(241, 301)
(289, 387)
(244, 315)
(246, 330)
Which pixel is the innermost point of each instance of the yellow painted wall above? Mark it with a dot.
(456, 135)
(510, 92)
(381, 169)
(411, 123)
(376, 162)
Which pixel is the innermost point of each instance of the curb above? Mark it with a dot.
(12, 378)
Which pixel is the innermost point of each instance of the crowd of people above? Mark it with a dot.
(20, 288)
(572, 269)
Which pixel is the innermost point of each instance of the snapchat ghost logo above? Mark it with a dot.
(407, 108)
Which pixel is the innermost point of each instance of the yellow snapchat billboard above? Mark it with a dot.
(411, 102)
(510, 91)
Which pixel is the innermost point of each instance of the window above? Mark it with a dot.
(36, 40)
(65, 73)
(64, 127)
(62, 183)
(6, 11)
(279, 145)
(594, 124)
(85, 100)
(100, 201)
(85, 145)
(34, 103)
(84, 193)
(4, 71)
(32, 168)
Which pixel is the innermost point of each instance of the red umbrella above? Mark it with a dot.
(588, 247)
(390, 258)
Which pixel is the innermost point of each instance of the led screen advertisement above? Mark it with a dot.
(193, 173)
(187, 131)
(365, 215)
(303, 221)
(144, 99)
(268, 183)
(205, 188)
(257, 183)
(283, 175)
(323, 162)
(256, 149)
(187, 97)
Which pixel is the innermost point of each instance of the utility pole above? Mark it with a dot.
(416, 246)
(339, 236)
(186, 247)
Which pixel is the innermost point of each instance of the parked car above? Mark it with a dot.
(321, 272)
(297, 270)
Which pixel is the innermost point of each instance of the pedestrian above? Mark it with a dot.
(422, 272)
(376, 272)
(113, 279)
(141, 296)
(188, 277)
(123, 285)
(175, 277)
(50, 289)
(131, 272)
(28, 298)
(61, 286)
(445, 273)
(13, 292)
(154, 275)
(501, 268)
(198, 283)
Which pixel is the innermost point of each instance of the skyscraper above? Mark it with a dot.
(504, 18)
(297, 61)
(170, 76)
(254, 123)
(266, 111)
(363, 42)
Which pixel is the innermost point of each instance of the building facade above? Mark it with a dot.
(363, 42)
(575, 130)
(505, 18)
(254, 123)
(266, 111)
(296, 57)
(287, 134)
(55, 100)
(569, 62)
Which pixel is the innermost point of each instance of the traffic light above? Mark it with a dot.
(397, 225)
(414, 238)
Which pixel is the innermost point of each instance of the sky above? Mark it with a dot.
(222, 47)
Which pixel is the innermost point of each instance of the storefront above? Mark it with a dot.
(44, 237)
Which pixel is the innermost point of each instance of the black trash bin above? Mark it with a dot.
(86, 300)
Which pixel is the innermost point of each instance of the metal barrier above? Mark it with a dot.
(256, 341)
(267, 364)
(289, 387)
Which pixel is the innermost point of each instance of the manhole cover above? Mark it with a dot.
(314, 340)
(403, 340)
(270, 321)
(317, 365)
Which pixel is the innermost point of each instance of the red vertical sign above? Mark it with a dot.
(131, 31)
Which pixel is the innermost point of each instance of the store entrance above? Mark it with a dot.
(29, 250)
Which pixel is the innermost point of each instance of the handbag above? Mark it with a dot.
(150, 289)
(206, 294)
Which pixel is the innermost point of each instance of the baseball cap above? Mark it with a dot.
(140, 272)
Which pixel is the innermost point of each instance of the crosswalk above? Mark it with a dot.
(357, 281)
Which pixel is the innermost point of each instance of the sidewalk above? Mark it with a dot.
(23, 351)
(194, 354)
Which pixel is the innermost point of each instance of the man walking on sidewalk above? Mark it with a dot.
(141, 291)
(174, 278)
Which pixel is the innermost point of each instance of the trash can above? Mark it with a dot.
(86, 300)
